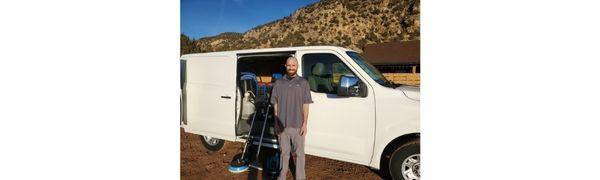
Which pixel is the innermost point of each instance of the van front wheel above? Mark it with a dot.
(211, 143)
(405, 162)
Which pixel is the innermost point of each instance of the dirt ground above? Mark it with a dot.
(199, 163)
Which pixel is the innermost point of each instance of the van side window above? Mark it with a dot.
(323, 71)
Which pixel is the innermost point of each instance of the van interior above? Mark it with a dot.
(256, 74)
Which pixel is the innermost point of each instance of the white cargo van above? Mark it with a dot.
(357, 116)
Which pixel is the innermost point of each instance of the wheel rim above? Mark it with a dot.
(211, 141)
(411, 167)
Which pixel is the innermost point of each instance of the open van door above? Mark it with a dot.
(210, 96)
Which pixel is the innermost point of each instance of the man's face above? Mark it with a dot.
(291, 66)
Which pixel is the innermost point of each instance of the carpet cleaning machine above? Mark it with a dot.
(255, 102)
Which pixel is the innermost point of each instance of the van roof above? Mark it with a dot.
(226, 53)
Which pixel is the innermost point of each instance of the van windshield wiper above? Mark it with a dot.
(392, 85)
(386, 83)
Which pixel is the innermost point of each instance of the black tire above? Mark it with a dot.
(214, 145)
(408, 153)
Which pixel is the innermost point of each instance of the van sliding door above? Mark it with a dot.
(210, 94)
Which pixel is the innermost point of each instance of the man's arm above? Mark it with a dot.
(305, 119)
(274, 99)
(307, 100)
(275, 110)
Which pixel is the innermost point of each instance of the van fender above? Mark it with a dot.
(390, 140)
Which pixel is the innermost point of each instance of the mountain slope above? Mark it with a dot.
(346, 23)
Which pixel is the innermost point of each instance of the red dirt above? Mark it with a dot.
(199, 163)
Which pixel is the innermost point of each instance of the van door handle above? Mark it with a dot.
(226, 97)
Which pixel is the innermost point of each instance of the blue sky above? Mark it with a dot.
(201, 18)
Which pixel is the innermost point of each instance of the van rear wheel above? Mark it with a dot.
(211, 143)
(405, 162)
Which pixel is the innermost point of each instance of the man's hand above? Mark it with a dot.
(303, 130)
(277, 126)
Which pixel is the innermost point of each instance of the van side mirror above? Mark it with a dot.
(350, 86)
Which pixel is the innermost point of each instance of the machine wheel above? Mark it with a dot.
(211, 143)
(405, 162)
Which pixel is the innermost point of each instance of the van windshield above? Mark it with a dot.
(370, 69)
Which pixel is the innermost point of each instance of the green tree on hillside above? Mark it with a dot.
(187, 45)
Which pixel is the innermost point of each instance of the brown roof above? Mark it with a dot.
(404, 52)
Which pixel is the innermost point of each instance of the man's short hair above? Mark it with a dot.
(291, 57)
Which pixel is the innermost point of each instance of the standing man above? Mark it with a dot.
(290, 98)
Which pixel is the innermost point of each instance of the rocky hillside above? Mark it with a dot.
(345, 23)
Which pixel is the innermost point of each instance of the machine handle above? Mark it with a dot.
(226, 97)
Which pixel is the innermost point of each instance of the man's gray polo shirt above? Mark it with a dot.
(290, 95)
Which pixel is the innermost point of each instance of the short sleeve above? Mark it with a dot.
(274, 94)
(307, 97)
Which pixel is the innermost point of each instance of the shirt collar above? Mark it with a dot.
(286, 77)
